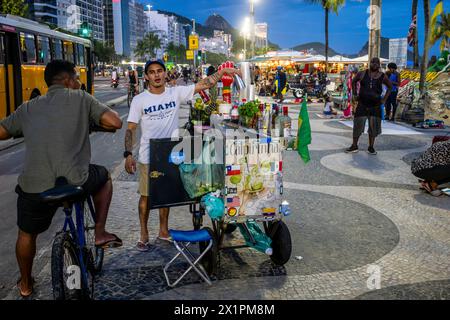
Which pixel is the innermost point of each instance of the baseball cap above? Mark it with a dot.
(157, 61)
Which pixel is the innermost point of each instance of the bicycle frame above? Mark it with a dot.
(77, 232)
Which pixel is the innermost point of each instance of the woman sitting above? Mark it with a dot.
(433, 167)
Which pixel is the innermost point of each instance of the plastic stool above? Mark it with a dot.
(181, 241)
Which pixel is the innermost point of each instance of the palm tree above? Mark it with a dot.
(416, 38)
(334, 6)
(441, 31)
(172, 51)
(423, 67)
(147, 46)
(15, 7)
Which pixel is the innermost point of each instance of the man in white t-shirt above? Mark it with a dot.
(157, 110)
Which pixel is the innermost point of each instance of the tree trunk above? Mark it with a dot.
(416, 38)
(424, 65)
(327, 12)
(375, 29)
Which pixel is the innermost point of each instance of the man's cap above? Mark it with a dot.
(279, 68)
(157, 61)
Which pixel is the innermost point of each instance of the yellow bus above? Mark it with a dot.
(25, 48)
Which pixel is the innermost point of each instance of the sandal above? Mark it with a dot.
(434, 193)
(142, 246)
(25, 296)
(168, 239)
(113, 243)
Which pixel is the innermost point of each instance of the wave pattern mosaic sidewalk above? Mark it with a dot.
(353, 217)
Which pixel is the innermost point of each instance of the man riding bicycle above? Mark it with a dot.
(133, 81)
(56, 131)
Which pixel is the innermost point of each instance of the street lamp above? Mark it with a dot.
(252, 16)
(245, 33)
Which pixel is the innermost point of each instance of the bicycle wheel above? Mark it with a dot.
(129, 99)
(64, 256)
(94, 255)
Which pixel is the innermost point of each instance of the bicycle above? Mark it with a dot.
(73, 251)
(131, 93)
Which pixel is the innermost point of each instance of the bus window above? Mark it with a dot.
(57, 50)
(75, 53)
(44, 50)
(27, 48)
(81, 56)
(2, 51)
(68, 51)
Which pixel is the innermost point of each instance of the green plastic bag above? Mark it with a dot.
(213, 205)
(263, 242)
(203, 176)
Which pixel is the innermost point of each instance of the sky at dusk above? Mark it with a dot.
(293, 22)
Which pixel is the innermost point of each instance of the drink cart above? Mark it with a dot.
(244, 176)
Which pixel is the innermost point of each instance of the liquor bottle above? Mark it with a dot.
(283, 123)
(287, 122)
(266, 118)
(205, 97)
(235, 115)
(275, 114)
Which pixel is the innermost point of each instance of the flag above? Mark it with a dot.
(438, 10)
(304, 132)
(412, 32)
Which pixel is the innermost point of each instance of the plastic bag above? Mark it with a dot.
(214, 206)
(263, 242)
(203, 175)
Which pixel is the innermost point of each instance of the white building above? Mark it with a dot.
(220, 43)
(261, 38)
(91, 11)
(167, 28)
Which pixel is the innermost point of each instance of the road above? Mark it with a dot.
(107, 150)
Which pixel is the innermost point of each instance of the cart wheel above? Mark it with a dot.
(281, 242)
(209, 261)
(230, 228)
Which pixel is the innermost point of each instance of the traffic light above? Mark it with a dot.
(85, 30)
(199, 55)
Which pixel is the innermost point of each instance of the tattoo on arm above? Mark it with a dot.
(211, 81)
(129, 140)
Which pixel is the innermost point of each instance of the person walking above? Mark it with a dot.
(281, 82)
(369, 104)
(391, 103)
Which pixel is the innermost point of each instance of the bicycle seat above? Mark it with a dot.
(62, 192)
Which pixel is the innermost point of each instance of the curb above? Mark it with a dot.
(10, 143)
(116, 101)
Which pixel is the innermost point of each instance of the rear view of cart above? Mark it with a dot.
(237, 183)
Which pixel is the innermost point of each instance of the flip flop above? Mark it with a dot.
(25, 296)
(113, 243)
(142, 246)
(168, 239)
(434, 193)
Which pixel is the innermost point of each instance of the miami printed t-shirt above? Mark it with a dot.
(158, 115)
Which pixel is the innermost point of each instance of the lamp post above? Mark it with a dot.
(374, 29)
(245, 33)
(252, 25)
